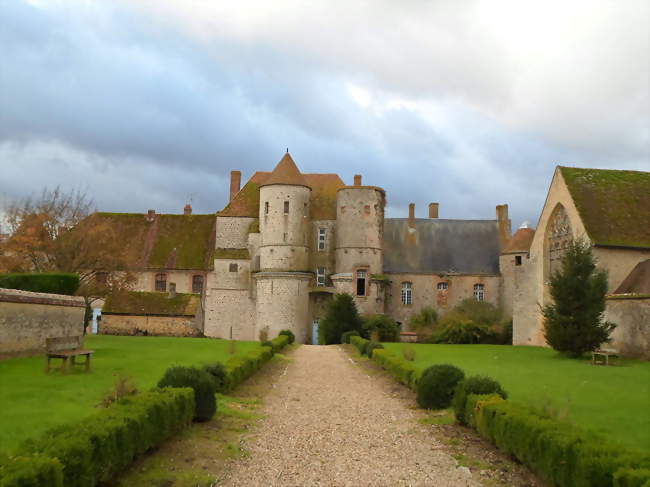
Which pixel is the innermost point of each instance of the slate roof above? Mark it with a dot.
(167, 242)
(441, 246)
(151, 303)
(519, 242)
(246, 203)
(637, 281)
(614, 205)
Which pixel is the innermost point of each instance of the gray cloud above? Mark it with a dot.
(146, 104)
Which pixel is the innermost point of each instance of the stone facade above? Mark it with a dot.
(116, 324)
(27, 319)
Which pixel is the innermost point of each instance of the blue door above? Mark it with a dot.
(314, 332)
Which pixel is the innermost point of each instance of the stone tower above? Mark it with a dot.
(282, 285)
(359, 242)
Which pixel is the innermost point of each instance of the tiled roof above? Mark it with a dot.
(614, 205)
(167, 242)
(146, 303)
(286, 172)
(520, 241)
(637, 281)
(246, 203)
(441, 246)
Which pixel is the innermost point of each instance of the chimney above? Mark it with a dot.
(151, 215)
(503, 223)
(235, 183)
(357, 179)
(172, 290)
(187, 210)
(433, 210)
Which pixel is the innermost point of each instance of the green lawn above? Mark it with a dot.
(614, 401)
(32, 401)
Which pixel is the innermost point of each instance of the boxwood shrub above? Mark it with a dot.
(288, 333)
(345, 337)
(359, 343)
(200, 381)
(240, 367)
(473, 385)
(404, 371)
(371, 347)
(42, 282)
(98, 447)
(30, 471)
(279, 342)
(437, 384)
(219, 375)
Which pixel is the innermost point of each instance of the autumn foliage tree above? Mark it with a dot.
(57, 232)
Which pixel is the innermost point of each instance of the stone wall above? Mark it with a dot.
(27, 319)
(632, 317)
(425, 293)
(232, 232)
(177, 326)
(145, 280)
(619, 263)
(230, 309)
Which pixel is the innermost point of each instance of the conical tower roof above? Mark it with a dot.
(287, 173)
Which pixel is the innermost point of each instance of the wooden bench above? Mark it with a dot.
(67, 349)
(601, 357)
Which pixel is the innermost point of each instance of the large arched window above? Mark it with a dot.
(559, 236)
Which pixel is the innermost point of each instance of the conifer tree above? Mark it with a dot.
(341, 316)
(573, 322)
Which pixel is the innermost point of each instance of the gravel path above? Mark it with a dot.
(328, 423)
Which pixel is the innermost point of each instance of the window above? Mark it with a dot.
(161, 282)
(286, 207)
(197, 284)
(517, 259)
(305, 213)
(320, 276)
(479, 292)
(266, 207)
(284, 237)
(322, 235)
(443, 286)
(361, 283)
(407, 293)
(232, 267)
(559, 236)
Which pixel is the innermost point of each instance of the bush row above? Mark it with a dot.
(359, 343)
(403, 370)
(240, 368)
(43, 282)
(560, 452)
(96, 448)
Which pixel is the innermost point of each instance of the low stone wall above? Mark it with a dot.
(28, 318)
(119, 324)
(632, 317)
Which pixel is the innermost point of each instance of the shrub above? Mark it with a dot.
(456, 329)
(43, 282)
(269, 344)
(473, 385)
(219, 375)
(561, 453)
(424, 321)
(30, 471)
(437, 384)
(371, 346)
(239, 368)
(288, 333)
(405, 372)
(573, 323)
(380, 328)
(96, 448)
(345, 338)
(408, 352)
(279, 342)
(200, 381)
(341, 316)
(359, 343)
(264, 334)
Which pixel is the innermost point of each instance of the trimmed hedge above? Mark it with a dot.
(96, 448)
(345, 337)
(359, 343)
(201, 382)
(30, 471)
(219, 375)
(403, 370)
(473, 385)
(289, 333)
(42, 282)
(371, 347)
(242, 367)
(560, 452)
(279, 342)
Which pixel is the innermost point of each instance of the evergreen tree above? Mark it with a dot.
(341, 316)
(573, 323)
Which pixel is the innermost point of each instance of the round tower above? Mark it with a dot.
(282, 285)
(360, 228)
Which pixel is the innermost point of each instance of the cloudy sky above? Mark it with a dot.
(150, 104)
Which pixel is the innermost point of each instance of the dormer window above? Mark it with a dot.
(286, 207)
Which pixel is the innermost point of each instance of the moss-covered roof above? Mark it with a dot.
(231, 254)
(166, 242)
(146, 303)
(246, 203)
(286, 172)
(519, 242)
(614, 205)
